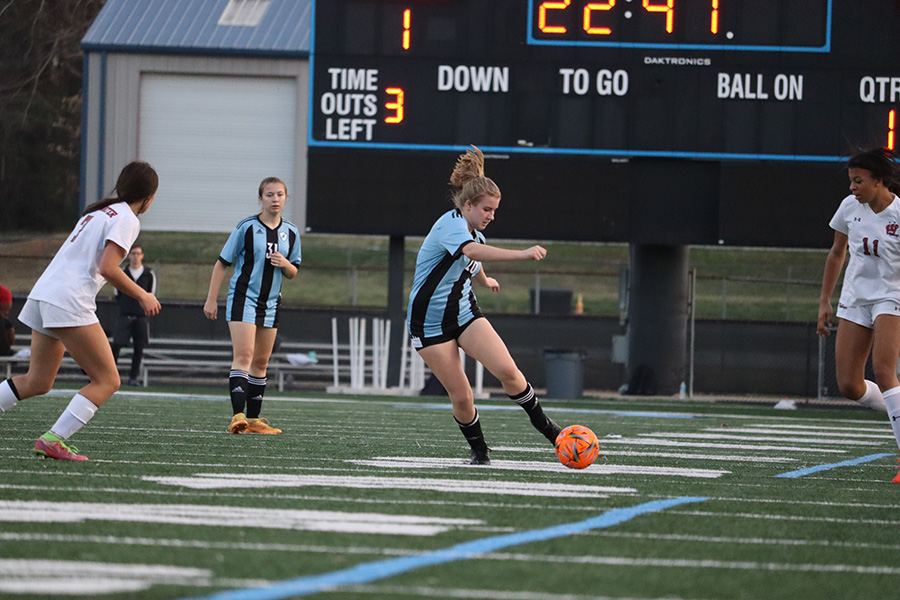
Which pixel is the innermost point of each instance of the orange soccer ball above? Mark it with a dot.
(577, 447)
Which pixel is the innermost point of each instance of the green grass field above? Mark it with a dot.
(370, 498)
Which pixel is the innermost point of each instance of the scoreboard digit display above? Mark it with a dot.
(685, 107)
(797, 25)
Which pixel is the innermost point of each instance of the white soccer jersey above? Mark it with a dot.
(873, 273)
(72, 279)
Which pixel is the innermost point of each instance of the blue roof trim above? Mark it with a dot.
(191, 27)
(185, 51)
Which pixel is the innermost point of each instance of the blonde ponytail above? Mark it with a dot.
(468, 180)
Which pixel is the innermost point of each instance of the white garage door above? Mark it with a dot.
(212, 139)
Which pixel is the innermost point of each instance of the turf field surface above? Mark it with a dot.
(371, 497)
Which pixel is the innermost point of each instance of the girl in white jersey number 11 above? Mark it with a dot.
(868, 224)
(61, 308)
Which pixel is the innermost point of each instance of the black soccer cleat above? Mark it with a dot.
(550, 429)
(480, 456)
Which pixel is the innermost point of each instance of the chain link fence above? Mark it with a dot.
(769, 298)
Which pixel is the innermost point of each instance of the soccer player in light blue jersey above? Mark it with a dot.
(264, 249)
(443, 315)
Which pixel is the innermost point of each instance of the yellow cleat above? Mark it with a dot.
(238, 423)
(260, 426)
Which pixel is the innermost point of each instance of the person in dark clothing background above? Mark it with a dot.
(132, 325)
(7, 329)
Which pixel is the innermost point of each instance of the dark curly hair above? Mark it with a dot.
(881, 163)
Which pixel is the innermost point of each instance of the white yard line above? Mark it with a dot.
(745, 541)
(890, 506)
(203, 544)
(70, 577)
(219, 516)
(473, 594)
(658, 441)
(382, 551)
(798, 518)
(532, 466)
(447, 486)
(811, 432)
(684, 563)
(876, 427)
(719, 457)
(753, 438)
(244, 496)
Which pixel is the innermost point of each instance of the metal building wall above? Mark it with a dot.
(112, 112)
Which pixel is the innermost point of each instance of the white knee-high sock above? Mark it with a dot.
(8, 396)
(76, 416)
(873, 398)
(892, 400)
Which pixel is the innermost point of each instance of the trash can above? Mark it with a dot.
(565, 373)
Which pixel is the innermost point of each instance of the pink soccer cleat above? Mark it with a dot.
(56, 449)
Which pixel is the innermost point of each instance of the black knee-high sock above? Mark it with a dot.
(238, 384)
(255, 392)
(472, 432)
(528, 401)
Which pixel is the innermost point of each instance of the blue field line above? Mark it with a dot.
(373, 571)
(844, 463)
(555, 409)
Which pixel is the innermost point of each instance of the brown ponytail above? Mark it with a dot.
(137, 182)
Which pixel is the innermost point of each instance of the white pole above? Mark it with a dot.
(353, 324)
(334, 350)
(403, 361)
(362, 353)
(479, 378)
(376, 352)
(420, 378)
(385, 351)
(462, 359)
(381, 343)
(417, 368)
(352, 351)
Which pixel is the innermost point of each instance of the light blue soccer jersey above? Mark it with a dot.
(442, 300)
(254, 292)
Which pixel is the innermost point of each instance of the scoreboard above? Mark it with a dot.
(670, 121)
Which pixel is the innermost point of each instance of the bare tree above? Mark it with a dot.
(40, 110)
